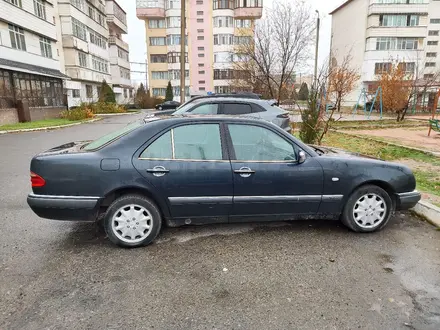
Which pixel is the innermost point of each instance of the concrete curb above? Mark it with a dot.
(48, 128)
(429, 212)
(366, 137)
(118, 114)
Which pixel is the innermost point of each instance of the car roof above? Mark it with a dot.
(233, 99)
(201, 118)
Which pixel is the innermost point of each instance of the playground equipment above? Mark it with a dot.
(434, 124)
(371, 104)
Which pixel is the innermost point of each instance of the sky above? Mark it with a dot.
(136, 33)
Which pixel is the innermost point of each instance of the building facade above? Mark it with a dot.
(30, 66)
(381, 33)
(213, 28)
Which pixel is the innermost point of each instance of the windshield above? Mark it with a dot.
(185, 107)
(96, 144)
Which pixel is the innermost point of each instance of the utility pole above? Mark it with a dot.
(182, 51)
(317, 50)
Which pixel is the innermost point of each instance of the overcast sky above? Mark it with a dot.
(137, 42)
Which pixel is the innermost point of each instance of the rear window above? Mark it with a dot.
(236, 108)
(98, 143)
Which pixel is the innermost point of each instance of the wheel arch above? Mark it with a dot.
(379, 183)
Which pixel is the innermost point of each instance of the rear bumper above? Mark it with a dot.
(71, 208)
(405, 201)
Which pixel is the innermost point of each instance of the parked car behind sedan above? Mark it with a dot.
(168, 105)
(245, 107)
(211, 169)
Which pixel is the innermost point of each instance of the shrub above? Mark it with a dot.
(103, 107)
(78, 113)
(106, 93)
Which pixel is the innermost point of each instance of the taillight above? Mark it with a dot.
(36, 180)
(283, 115)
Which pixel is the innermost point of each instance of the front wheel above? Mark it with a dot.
(160, 108)
(132, 221)
(368, 209)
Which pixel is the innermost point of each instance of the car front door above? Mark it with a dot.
(189, 166)
(269, 182)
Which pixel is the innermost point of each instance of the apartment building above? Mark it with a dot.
(30, 67)
(379, 33)
(213, 28)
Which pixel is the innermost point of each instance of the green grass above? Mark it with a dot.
(38, 124)
(371, 124)
(427, 181)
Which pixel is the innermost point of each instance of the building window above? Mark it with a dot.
(382, 67)
(201, 82)
(223, 4)
(130, 92)
(173, 22)
(46, 48)
(432, 43)
(161, 75)
(40, 9)
(200, 48)
(200, 38)
(428, 76)
(200, 20)
(79, 29)
(101, 20)
(170, 4)
(223, 21)
(157, 41)
(174, 57)
(119, 13)
(37, 90)
(76, 93)
(92, 13)
(222, 89)
(159, 91)
(431, 54)
(17, 37)
(223, 74)
(199, 13)
(400, 1)
(89, 91)
(223, 39)
(399, 20)
(97, 39)
(202, 72)
(157, 23)
(202, 89)
(199, 2)
(175, 74)
(201, 65)
(243, 23)
(430, 64)
(201, 55)
(98, 91)
(200, 30)
(159, 58)
(125, 93)
(222, 57)
(99, 64)
(174, 39)
(391, 43)
(407, 67)
(122, 53)
(124, 73)
(435, 21)
(80, 4)
(176, 90)
(83, 59)
(15, 2)
(433, 33)
(242, 40)
(248, 3)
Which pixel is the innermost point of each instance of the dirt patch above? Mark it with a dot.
(420, 166)
(411, 137)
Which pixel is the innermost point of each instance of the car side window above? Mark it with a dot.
(160, 149)
(198, 142)
(256, 109)
(236, 108)
(205, 109)
(255, 143)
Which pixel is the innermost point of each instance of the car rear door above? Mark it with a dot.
(269, 182)
(188, 165)
(237, 109)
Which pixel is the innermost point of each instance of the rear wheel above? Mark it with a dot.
(132, 221)
(160, 108)
(368, 209)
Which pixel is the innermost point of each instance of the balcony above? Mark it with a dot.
(150, 9)
(116, 16)
(397, 31)
(253, 12)
(378, 8)
(118, 42)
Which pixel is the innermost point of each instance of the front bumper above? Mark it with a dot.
(71, 208)
(408, 200)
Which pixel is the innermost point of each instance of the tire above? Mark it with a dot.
(160, 108)
(132, 211)
(367, 219)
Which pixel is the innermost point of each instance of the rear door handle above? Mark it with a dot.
(244, 172)
(158, 170)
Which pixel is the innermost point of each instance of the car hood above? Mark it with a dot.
(337, 152)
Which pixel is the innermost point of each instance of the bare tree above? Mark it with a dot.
(280, 44)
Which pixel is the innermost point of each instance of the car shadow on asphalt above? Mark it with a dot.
(85, 233)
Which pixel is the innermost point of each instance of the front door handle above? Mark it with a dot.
(158, 170)
(244, 172)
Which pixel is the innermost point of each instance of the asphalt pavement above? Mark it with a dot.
(298, 275)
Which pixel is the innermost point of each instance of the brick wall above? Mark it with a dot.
(9, 115)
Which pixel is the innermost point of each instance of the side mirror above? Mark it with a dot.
(301, 157)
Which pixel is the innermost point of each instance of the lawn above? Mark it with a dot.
(39, 124)
(426, 168)
(369, 124)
